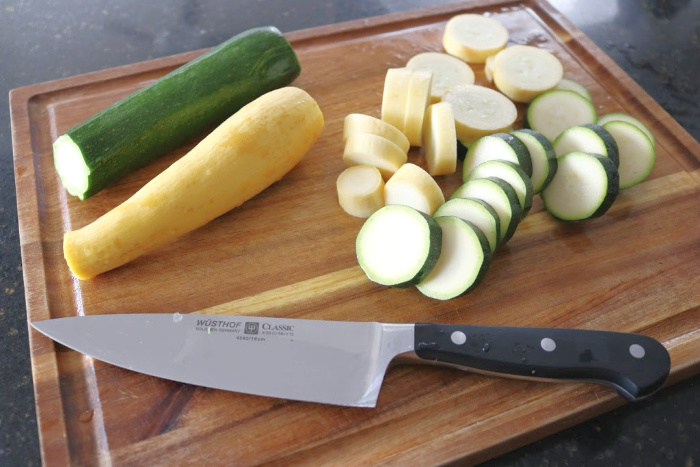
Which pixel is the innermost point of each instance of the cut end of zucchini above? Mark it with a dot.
(463, 263)
(542, 157)
(478, 212)
(71, 166)
(512, 174)
(637, 154)
(398, 246)
(584, 186)
(553, 112)
(500, 196)
(589, 138)
(498, 146)
(570, 85)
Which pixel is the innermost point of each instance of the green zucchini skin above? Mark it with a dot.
(182, 105)
(545, 157)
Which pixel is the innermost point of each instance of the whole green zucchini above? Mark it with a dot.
(172, 110)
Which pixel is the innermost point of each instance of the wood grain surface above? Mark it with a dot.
(289, 252)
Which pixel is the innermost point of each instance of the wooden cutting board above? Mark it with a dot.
(290, 252)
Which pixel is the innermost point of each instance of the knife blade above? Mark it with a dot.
(344, 363)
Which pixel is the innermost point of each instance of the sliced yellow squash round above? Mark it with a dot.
(473, 37)
(448, 71)
(479, 111)
(439, 139)
(488, 67)
(360, 123)
(394, 96)
(523, 72)
(369, 149)
(417, 101)
(360, 190)
(412, 186)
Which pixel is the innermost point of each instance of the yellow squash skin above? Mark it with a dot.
(247, 153)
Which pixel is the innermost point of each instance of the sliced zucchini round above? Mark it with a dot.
(502, 198)
(513, 174)
(478, 212)
(568, 84)
(499, 146)
(637, 153)
(398, 246)
(623, 117)
(448, 71)
(542, 155)
(587, 138)
(463, 262)
(555, 111)
(584, 186)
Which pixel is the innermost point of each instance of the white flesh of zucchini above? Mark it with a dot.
(580, 187)
(542, 156)
(553, 112)
(463, 260)
(489, 191)
(571, 85)
(398, 245)
(476, 211)
(448, 71)
(491, 148)
(623, 117)
(71, 166)
(637, 154)
(589, 138)
(512, 174)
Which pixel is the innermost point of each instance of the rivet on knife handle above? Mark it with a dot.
(635, 365)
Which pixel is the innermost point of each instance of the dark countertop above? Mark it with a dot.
(656, 42)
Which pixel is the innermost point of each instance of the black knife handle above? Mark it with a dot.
(635, 365)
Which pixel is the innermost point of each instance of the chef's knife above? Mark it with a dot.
(343, 363)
